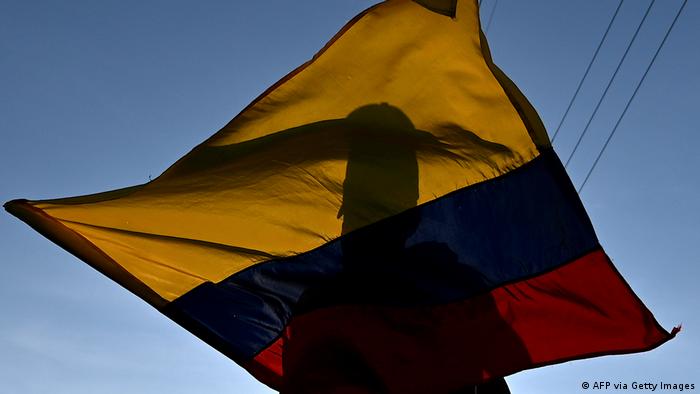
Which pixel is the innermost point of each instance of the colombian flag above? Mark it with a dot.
(390, 215)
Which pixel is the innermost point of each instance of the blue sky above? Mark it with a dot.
(100, 95)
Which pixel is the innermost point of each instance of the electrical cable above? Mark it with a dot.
(600, 154)
(605, 92)
(588, 69)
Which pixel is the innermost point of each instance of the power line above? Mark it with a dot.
(493, 11)
(600, 154)
(585, 74)
(605, 92)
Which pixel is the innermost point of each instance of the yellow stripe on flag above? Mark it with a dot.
(399, 78)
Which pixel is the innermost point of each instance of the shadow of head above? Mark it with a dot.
(381, 178)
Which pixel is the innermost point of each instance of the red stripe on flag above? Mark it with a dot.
(579, 310)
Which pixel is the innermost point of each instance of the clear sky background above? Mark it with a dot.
(98, 95)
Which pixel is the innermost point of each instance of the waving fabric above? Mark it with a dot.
(390, 216)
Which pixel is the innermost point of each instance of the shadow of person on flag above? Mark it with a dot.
(381, 325)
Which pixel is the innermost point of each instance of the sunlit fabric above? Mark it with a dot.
(390, 216)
